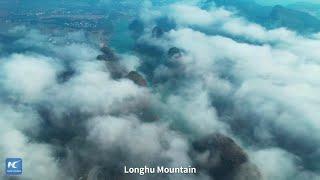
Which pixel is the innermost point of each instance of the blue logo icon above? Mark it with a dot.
(13, 166)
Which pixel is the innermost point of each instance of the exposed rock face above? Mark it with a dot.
(102, 57)
(231, 154)
(137, 78)
(65, 75)
(108, 54)
(224, 159)
(157, 32)
(112, 62)
(174, 52)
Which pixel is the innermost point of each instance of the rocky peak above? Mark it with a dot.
(226, 160)
(137, 78)
(108, 54)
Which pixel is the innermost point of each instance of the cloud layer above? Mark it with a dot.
(63, 110)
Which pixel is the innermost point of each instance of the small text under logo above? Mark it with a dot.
(13, 166)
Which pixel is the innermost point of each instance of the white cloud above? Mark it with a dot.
(142, 142)
(28, 76)
(275, 164)
(94, 91)
(38, 161)
(272, 83)
(37, 158)
(193, 15)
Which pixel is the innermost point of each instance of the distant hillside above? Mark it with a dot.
(247, 8)
(273, 16)
(311, 8)
(293, 19)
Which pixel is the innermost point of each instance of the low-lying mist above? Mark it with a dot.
(205, 88)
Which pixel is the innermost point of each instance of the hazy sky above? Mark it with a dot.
(268, 2)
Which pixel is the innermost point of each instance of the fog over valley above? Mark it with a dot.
(91, 88)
